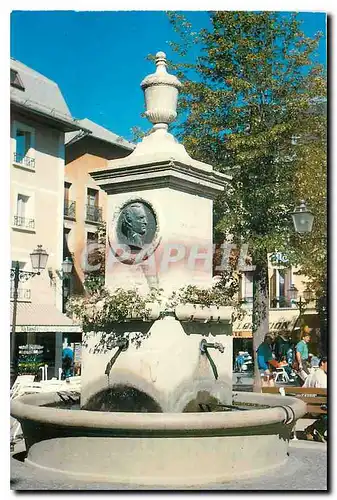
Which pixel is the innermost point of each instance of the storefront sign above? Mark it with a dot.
(278, 259)
(47, 329)
(242, 334)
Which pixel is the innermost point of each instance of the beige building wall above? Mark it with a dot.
(77, 174)
(281, 316)
(43, 186)
(82, 157)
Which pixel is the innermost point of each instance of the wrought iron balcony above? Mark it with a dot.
(70, 209)
(24, 294)
(24, 222)
(280, 302)
(93, 214)
(26, 161)
(247, 300)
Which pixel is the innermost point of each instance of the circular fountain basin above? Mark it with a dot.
(157, 449)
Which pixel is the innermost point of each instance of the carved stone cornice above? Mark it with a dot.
(162, 174)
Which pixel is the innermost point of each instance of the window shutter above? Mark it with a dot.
(272, 288)
(287, 283)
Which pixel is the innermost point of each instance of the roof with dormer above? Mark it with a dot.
(33, 92)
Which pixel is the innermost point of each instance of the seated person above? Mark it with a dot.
(318, 379)
(282, 345)
(284, 364)
(265, 358)
(283, 361)
(314, 361)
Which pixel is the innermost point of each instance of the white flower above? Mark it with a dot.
(99, 305)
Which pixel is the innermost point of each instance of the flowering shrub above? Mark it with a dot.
(102, 309)
(192, 294)
(220, 294)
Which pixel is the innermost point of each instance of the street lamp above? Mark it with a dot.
(300, 304)
(302, 218)
(38, 259)
(67, 267)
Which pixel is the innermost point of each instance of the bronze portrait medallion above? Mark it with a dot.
(136, 226)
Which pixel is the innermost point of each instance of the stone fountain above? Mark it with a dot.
(160, 202)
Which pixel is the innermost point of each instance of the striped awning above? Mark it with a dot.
(42, 318)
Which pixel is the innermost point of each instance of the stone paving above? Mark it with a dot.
(306, 469)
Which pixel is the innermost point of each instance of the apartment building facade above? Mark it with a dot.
(39, 120)
(284, 313)
(84, 202)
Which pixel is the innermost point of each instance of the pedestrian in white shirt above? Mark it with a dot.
(318, 379)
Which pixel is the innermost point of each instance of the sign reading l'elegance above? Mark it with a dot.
(275, 326)
(47, 328)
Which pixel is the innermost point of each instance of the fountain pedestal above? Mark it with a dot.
(160, 205)
(168, 368)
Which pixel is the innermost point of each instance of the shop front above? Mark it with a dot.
(280, 321)
(45, 326)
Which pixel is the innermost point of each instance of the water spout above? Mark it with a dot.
(122, 345)
(204, 346)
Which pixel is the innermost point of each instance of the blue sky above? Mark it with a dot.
(98, 58)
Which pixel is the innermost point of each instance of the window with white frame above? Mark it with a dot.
(23, 213)
(279, 286)
(24, 154)
(247, 286)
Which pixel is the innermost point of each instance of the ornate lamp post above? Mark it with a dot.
(300, 304)
(67, 267)
(302, 218)
(64, 275)
(38, 259)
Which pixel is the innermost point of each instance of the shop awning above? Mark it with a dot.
(279, 320)
(42, 318)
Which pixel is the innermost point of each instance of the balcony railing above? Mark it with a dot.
(26, 161)
(23, 294)
(93, 214)
(70, 209)
(24, 222)
(280, 302)
(247, 300)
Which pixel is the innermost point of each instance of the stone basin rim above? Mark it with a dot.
(283, 409)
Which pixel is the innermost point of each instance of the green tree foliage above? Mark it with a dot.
(311, 184)
(244, 99)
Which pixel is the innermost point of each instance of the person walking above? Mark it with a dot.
(239, 360)
(302, 365)
(67, 362)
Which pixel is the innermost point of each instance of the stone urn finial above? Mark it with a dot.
(161, 94)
